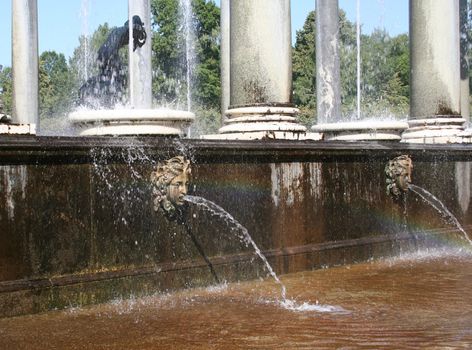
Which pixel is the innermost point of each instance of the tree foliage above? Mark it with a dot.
(170, 59)
(304, 69)
(55, 85)
(384, 71)
(6, 89)
(168, 47)
(384, 67)
(384, 74)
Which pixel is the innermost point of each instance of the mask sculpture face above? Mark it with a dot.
(398, 172)
(170, 184)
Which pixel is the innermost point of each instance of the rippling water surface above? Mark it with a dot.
(423, 301)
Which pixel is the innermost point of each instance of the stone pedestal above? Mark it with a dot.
(261, 72)
(17, 129)
(367, 130)
(435, 104)
(131, 122)
(441, 129)
(262, 122)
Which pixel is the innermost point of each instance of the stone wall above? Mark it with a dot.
(78, 225)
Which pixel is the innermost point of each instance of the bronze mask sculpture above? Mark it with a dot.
(398, 172)
(170, 184)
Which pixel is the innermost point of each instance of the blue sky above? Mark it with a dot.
(62, 21)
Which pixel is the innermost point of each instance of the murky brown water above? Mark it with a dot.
(410, 303)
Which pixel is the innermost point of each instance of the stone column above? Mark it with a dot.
(330, 125)
(435, 114)
(328, 81)
(261, 71)
(261, 65)
(464, 48)
(140, 64)
(225, 55)
(25, 64)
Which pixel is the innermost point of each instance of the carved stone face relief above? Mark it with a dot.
(398, 172)
(170, 184)
(177, 189)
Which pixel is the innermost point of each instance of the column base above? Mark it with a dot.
(261, 122)
(365, 130)
(17, 129)
(131, 122)
(440, 129)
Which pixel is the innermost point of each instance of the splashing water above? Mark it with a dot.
(286, 303)
(358, 42)
(84, 14)
(307, 307)
(247, 239)
(187, 25)
(439, 207)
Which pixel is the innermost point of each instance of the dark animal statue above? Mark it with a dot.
(108, 86)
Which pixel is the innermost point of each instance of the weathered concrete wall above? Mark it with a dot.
(77, 224)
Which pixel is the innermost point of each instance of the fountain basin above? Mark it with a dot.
(131, 122)
(366, 130)
(78, 224)
(385, 309)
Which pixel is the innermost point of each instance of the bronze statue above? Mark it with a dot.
(398, 172)
(110, 83)
(4, 118)
(170, 184)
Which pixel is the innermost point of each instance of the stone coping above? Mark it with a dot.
(20, 149)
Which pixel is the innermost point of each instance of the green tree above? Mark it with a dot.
(304, 66)
(168, 46)
(304, 69)
(55, 85)
(169, 60)
(384, 71)
(6, 89)
(385, 74)
(207, 88)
